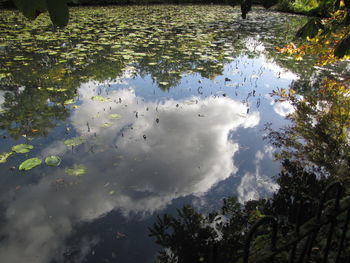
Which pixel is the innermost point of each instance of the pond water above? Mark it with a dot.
(148, 109)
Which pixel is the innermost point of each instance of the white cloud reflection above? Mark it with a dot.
(139, 164)
(253, 184)
(2, 98)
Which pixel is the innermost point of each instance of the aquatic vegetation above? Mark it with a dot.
(22, 148)
(76, 170)
(74, 141)
(53, 160)
(4, 156)
(30, 164)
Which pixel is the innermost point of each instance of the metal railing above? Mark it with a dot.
(299, 246)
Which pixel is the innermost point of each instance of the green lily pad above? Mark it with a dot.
(53, 160)
(4, 156)
(107, 124)
(29, 164)
(100, 98)
(22, 148)
(115, 116)
(76, 170)
(74, 141)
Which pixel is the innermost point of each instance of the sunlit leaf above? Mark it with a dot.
(53, 160)
(76, 170)
(100, 98)
(22, 148)
(30, 163)
(68, 102)
(115, 116)
(4, 156)
(107, 124)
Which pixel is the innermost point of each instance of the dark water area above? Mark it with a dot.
(147, 109)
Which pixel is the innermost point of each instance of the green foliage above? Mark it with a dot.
(319, 131)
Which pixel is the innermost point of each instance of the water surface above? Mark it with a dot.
(168, 105)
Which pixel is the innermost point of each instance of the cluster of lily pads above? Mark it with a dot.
(183, 39)
(29, 163)
(53, 160)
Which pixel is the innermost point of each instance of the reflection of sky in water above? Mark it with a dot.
(198, 139)
(2, 98)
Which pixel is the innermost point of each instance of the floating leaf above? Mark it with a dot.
(100, 98)
(115, 116)
(107, 124)
(4, 156)
(53, 160)
(29, 164)
(70, 101)
(74, 141)
(22, 148)
(76, 170)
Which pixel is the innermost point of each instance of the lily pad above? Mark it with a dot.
(107, 124)
(22, 148)
(76, 170)
(100, 98)
(74, 141)
(115, 116)
(53, 160)
(29, 164)
(4, 156)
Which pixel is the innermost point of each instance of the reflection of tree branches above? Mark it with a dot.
(319, 134)
(220, 236)
(29, 113)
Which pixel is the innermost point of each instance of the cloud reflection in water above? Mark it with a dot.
(152, 155)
